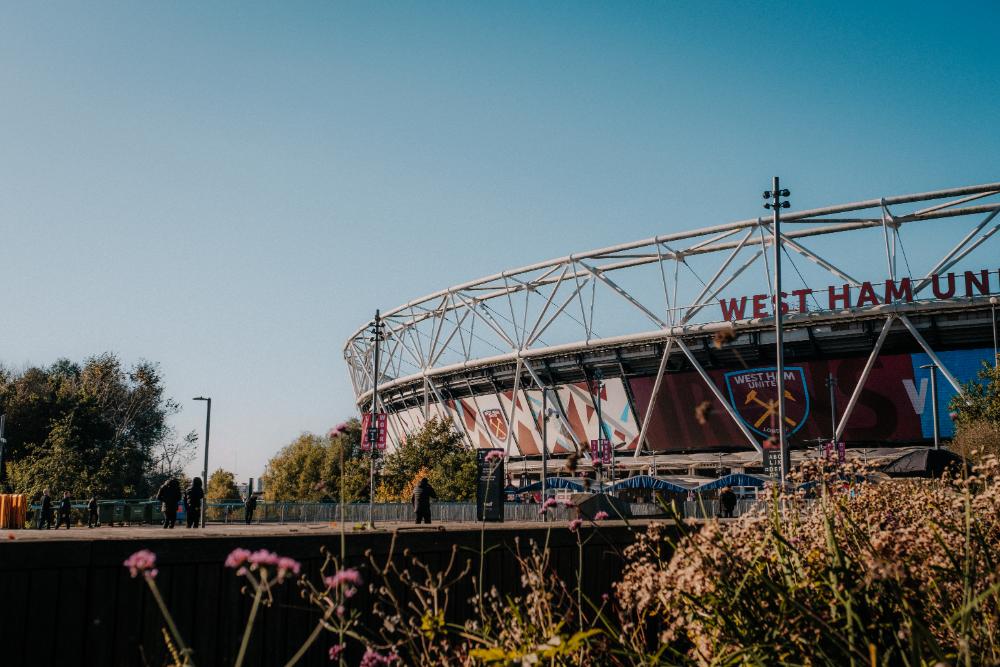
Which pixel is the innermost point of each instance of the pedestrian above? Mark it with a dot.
(192, 503)
(727, 500)
(65, 505)
(92, 520)
(45, 512)
(169, 494)
(249, 505)
(422, 500)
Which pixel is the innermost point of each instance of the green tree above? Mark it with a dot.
(438, 450)
(222, 486)
(309, 468)
(977, 415)
(92, 427)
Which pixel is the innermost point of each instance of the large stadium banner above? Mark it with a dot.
(894, 406)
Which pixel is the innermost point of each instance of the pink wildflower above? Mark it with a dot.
(348, 576)
(374, 658)
(336, 650)
(494, 455)
(575, 524)
(286, 565)
(237, 557)
(143, 561)
(263, 557)
(600, 516)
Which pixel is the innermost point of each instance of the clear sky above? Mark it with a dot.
(231, 188)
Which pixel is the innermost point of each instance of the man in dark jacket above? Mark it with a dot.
(45, 513)
(65, 506)
(422, 500)
(249, 505)
(727, 499)
(192, 503)
(169, 494)
(92, 521)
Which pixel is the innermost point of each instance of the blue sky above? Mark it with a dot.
(230, 189)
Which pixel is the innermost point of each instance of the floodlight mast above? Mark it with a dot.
(776, 204)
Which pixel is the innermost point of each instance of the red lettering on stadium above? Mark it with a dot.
(865, 295)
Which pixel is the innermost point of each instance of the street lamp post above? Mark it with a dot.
(776, 204)
(376, 338)
(204, 470)
(934, 403)
(831, 383)
(599, 377)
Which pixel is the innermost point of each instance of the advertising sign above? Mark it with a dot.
(373, 433)
(894, 405)
(489, 486)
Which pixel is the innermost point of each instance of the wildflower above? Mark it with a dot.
(374, 658)
(237, 557)
(143, 561)
(494, 455)
(601, 516)
(575, 524)
(547, 505)
(336, 650)
(286, 565)
(722, 337)
(263, 557)
(703, 411)
(348, 576)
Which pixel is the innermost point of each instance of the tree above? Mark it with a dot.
(977, 415)
(309, 468)
(94, 427)
(437, 451)
(222, 486)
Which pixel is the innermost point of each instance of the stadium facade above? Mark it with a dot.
(672, 338)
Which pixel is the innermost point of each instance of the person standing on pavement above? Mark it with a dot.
(92, 520)
(45, 512)
(65, 506)
(192, 503)
(727, 500)
(169, 494)
(422, 500)
(249, 505)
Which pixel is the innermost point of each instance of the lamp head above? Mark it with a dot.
(200, 398)
(767, 194)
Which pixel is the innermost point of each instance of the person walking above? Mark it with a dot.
(65, 505)
(45, 512)
(422, 500)
(92, 520)
(249, 505)
(169, 494)
(192, 503)
(727, 501)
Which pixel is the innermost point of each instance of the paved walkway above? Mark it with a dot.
(238, 529)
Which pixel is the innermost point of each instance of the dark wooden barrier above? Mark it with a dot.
(73, 603)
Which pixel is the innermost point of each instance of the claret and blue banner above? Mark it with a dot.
(894, 406)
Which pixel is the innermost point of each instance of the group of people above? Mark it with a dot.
(45, 515)
(170, 496)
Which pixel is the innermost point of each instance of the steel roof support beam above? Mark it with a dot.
(562, 413)
(856, 394)
(956, 254)
(930, 353)
(652, 398)
(718, 396)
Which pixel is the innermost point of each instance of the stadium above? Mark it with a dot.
(666, 346)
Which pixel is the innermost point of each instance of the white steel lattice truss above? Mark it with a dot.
(662, 290)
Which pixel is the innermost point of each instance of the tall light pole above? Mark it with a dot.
(204, 471)
(373, 430)
(934, 406)
(831, 383)
(599, 378)
(775, 195)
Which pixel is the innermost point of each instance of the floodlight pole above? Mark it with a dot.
(545, 446)
(373, 422)
(204, 473)
(599, 377)
(934, 403)
(776, 204)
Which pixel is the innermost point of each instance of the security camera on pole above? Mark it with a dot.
(775, 203)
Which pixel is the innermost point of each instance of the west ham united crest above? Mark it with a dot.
(754, 395)
(496, 423)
